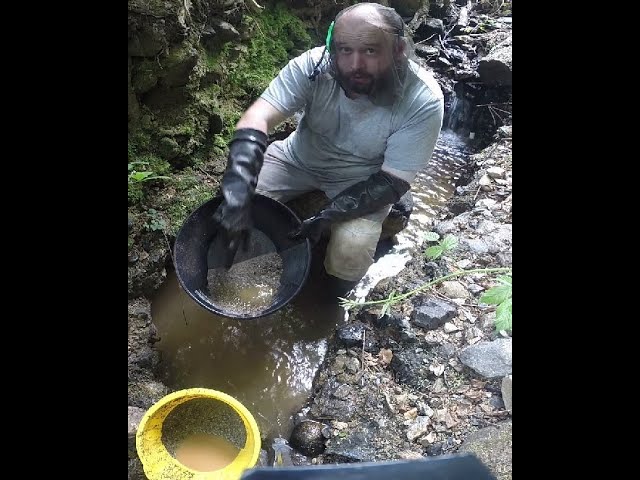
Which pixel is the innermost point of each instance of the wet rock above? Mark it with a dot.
(351, 335)
(433, 313)
(135, 470)
(144, 394)
(263, 458)
(135, 416)
(354, 445)
(495, 68)
(431, 26)
(333, 401)
(489, 359)
(411, 368)
(145, 357)
(307, 438)
(148, 273)
(426, 51)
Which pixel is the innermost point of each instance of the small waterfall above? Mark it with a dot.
(452, 121)
(458, 115)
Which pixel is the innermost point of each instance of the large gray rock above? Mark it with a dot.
(489, 359)
(496, 67)
(493, 446)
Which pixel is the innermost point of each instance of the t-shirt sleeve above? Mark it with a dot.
(291, 89)
(410, 147)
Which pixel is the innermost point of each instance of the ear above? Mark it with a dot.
(399, 47)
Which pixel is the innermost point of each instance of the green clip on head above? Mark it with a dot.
(329, 34)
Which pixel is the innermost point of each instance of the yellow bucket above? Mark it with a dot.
(193, 411)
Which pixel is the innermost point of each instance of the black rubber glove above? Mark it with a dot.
(233, 216)
(365, 197)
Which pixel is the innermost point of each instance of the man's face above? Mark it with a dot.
(364, 57)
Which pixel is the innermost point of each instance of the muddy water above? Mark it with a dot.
(268, 364)
(205, 452)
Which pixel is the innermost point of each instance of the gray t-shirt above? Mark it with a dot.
(341, 139)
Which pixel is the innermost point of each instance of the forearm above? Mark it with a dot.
(379, 190)
(262, 116)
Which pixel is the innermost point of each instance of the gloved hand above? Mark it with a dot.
(365, 197)
(233, 216)
(312, 228)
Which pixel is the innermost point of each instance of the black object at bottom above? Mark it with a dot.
(445, 467)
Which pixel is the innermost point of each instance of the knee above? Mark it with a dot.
(351, 248)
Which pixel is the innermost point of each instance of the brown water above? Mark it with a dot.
(205, 452)
(268, 364)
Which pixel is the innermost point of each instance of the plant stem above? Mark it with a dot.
(398, 298)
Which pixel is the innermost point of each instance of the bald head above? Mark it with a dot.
(373, 14)
(366, 47)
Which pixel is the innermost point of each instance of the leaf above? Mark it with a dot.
(431, 237)
(156, 177)
(434, 252)
(387, 305)
(449, 242)
(503, 316)
(496, 295)
(140, 176)
(505, 280)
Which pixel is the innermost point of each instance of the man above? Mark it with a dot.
(371, 120)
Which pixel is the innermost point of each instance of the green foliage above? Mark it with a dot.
(144, 176)
(155, 221)
(276, 35)
(190, 194)
(500, 295)
(395, 298)
(142, 169)
(449, 242)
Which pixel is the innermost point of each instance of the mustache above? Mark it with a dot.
(359, 73)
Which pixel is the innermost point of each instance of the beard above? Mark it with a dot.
(367, 84)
